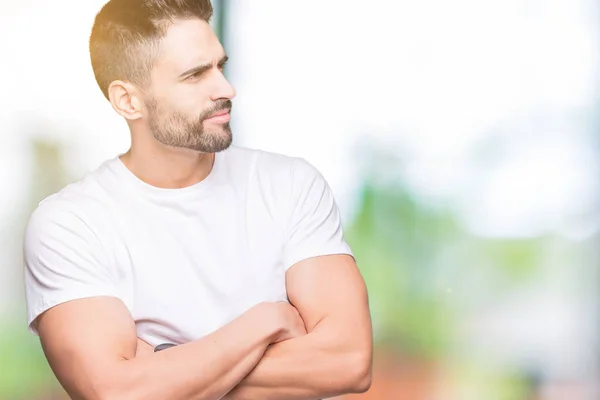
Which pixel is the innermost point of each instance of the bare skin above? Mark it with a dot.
(319, 347)
(188, 44)
(334, 357)
(91, 346)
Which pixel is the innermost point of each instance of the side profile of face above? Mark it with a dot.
(188, 101)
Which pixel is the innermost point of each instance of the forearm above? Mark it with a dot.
(314, 366)
(204, 369)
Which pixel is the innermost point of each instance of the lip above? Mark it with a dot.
(220, 117)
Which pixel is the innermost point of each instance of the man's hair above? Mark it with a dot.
(126, 35)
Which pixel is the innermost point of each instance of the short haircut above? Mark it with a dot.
(126, 35)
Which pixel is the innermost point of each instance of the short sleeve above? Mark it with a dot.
(64, 261)
(314, 225)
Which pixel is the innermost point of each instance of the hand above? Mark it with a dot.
(281, 319)
(291, 322)
(290, 325)
(143, 348)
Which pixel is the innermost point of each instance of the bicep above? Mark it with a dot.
(331, 288)
(84, 340)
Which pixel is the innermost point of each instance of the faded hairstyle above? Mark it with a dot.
(126, 35)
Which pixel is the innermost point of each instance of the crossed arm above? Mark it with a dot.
(334, 357)
(95, 357)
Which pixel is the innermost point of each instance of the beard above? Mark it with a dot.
(175, 129)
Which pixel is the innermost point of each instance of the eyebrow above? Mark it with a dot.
(200, 69)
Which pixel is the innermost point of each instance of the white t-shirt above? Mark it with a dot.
(184, 261)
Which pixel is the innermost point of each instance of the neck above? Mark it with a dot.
(167, 167)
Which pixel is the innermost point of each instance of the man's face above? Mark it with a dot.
(189, 99)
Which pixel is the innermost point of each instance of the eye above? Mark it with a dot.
(193, 76)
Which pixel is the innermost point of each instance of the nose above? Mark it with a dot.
(222, 88)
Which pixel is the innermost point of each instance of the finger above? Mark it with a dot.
(143, 348)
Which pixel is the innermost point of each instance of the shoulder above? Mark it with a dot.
(76, 207)
(57, 219)
(270, 164)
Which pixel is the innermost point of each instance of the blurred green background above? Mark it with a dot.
(461, 141)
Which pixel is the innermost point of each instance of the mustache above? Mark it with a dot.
(218, 106)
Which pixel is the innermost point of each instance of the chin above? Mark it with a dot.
(220, 133)
(220, 141)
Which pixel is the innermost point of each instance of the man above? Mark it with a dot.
(234, 256)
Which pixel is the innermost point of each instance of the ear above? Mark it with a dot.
(125, 99)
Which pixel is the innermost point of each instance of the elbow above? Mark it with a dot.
(361, 384)
(105, 392)
(112, 394)
(360, 375)
(111, 389)
(90, 389)
(112, 382)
